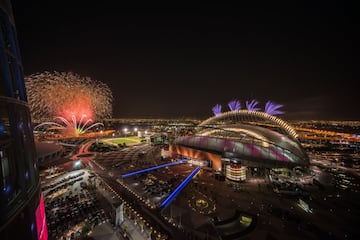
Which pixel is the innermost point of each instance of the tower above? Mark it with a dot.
(22, 213)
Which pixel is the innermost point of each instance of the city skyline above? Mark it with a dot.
(243, 172)
(180, 62)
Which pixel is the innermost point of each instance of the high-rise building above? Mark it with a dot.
(22, 213)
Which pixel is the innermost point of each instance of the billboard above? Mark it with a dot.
(40, 217)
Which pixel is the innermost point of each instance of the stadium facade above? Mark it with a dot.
(22, 213)
(234, 141)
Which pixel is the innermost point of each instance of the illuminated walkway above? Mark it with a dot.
(178, 189)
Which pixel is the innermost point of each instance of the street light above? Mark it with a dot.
(125, 131)
(77, 163)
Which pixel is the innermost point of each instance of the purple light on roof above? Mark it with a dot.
(278, 155)
(234, 105)
(216, 109)
(272, 108)
(251, 105)
(228, 145)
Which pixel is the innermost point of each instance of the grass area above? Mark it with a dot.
(126, 140)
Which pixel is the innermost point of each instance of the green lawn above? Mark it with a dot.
(126, 140)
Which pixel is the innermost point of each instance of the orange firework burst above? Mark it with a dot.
(68, 95)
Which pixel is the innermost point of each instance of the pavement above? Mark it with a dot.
(256, 198)
(107, 231)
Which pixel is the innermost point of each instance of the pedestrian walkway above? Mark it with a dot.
(109, 232)
(133, 231)
(105, 231)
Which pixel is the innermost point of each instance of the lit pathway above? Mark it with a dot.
(134, 231)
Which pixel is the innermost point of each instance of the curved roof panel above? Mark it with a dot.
(248, 142)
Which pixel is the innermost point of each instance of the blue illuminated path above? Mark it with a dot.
(179, 188)
(153, 168)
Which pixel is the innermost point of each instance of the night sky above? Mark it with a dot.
(181, 60)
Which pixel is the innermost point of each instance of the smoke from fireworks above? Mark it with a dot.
(68, 95)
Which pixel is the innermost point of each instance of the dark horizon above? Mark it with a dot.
(181, 61)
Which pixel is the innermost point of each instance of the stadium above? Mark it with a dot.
(236, 141)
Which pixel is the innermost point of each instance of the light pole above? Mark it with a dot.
(180, 225)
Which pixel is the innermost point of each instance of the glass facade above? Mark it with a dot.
(234, 171)
(19, 177)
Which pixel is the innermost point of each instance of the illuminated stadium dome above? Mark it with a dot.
(234, 140)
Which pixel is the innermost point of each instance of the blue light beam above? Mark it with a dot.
(152, 168)
(179, 188)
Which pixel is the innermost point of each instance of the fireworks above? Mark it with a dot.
(67, 95)
(217, 109)
(73, 101)
(251, 105)
(234, 105)
(272, 108)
